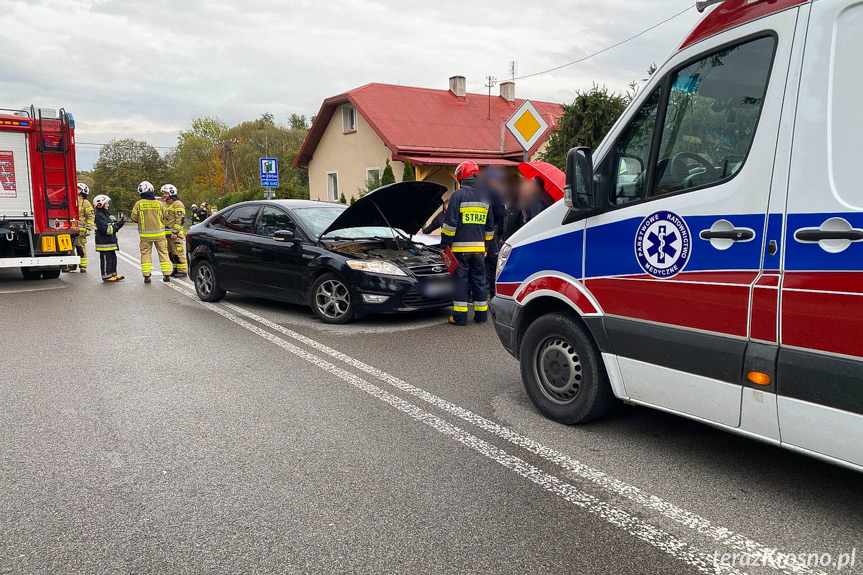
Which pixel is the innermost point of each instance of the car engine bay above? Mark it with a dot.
(408, 253)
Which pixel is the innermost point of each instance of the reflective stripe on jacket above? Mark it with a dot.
(86, 217)
(175, 216)
(150, 217)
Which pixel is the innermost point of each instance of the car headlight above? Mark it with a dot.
(501, 259)
(376, 267)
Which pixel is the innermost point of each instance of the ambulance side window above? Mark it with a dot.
(709, 123)
(632, 153)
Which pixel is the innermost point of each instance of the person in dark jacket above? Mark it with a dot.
(437, 221)
(106, 238)
(467, 230)
(534, 198)
(492, 188)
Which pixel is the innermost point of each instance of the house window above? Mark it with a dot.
(349, 119)
(373, 178)
(333, 186)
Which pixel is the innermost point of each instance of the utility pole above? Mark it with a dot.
(230, 167)
(492, 82)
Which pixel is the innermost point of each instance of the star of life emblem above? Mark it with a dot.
(663, 244)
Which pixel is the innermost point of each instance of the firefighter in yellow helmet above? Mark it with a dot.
(149, 214)
(86, 221)
(174, 231)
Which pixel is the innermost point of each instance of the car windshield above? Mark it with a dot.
(319, 219)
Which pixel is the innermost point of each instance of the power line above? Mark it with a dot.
(100, 145)
(621, 43)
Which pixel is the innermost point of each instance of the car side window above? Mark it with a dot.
(242, 220)
(274, 220)
(219, 221)
(709, 123)
(632, 153)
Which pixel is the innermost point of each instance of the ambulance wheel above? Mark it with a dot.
(562, 371)
(51, 274)
(331, 300)
(30, 274)
(206, 285)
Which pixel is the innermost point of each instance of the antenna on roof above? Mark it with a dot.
(513, 70)
(492, 82)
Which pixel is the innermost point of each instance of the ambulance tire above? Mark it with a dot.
(31, 274)
(562, 371)
(51, 274)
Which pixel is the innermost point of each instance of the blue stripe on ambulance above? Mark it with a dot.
(810, 256)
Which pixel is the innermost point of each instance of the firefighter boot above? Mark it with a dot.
(166, 279)
(148, 279)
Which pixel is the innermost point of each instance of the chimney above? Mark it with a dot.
(507, 91)
(458, 86)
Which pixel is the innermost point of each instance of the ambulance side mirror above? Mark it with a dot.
(579, 192)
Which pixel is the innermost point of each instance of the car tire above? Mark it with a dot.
(206, 283)
(562, 371)
(331, 300)
(51, 274)
(31, 274)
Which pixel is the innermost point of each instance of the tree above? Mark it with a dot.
(121, 166)
(343, 199)
(388, 176)
(408, 174)
(196, 166)
(298, 122)
(584, 123)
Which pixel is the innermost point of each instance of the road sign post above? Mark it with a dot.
(527, 126)
(269, 176)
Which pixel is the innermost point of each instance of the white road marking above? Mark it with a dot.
(27, 290)
(691, 520)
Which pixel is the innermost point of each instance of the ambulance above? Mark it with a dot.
(707, 259)
(38, 191)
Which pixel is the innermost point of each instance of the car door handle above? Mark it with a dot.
(735, 235)
(257, 250)
(815, 235)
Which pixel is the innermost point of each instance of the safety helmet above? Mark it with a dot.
(194, 205)
(83, 189)
(171, 190)
(145, 187)
(203, 204)
(101, 201)
(467, 169)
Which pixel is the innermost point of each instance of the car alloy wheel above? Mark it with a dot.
(333, 299)
(206, 285)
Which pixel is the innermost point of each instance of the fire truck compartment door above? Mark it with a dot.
(16, 201)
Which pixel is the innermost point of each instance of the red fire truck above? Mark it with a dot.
(38, 193)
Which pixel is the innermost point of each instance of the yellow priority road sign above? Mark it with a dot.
(527, 125)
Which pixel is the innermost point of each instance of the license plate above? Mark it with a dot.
(437, 289)
(64, 242)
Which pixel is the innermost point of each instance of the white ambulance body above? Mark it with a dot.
(712, 267)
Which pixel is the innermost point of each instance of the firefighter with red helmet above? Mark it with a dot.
(467, 229)
(86, 221)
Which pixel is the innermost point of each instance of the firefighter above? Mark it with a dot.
(149, 214)
(195, 214)
(106, 238)
(467, 230)
(174, 231)
(86, 221)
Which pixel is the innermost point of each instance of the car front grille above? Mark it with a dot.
(429, 270)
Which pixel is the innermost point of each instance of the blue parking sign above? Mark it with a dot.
(269, 173)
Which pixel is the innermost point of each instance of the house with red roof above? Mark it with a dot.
(355, 133)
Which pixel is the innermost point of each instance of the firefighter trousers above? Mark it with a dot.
(147, 256)
(108, 261)
(81, 250)
(469, 279)
(177, 249)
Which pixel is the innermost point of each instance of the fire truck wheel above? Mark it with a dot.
(562, 371)
(51, 274)
(31, 275)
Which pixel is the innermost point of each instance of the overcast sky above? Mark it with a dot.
(145, 69)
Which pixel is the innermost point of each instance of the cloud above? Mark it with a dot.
(147, 68)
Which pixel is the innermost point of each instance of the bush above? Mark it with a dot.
(388, 177)
(408, 175)
(343, 199)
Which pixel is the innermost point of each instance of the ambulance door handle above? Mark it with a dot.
(735, 235)
(810, 235)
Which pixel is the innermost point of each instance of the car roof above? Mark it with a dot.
(290, 204)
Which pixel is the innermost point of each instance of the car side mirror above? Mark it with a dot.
(284, 236)
(579, 192)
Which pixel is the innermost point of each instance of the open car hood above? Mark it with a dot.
(405, 205)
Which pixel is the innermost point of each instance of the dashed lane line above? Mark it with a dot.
(681, 516)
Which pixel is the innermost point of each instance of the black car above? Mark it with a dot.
(342, 261)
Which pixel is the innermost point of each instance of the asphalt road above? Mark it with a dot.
(142, 431)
